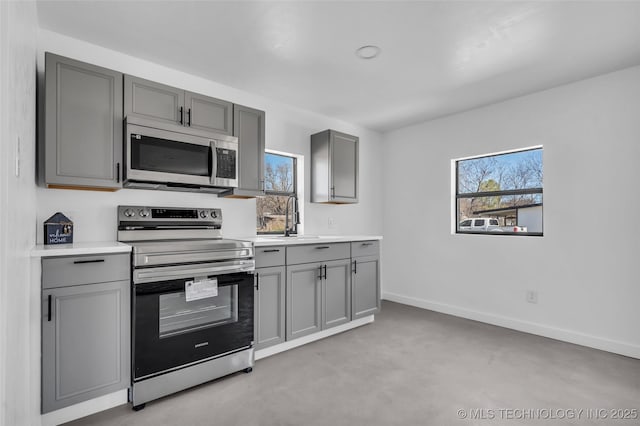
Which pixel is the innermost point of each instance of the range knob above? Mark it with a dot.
(214, 214)
(144, 213)
(203, 214)
(129, 213)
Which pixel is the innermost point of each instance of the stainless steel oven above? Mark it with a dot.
(192, 304)
(165, 156)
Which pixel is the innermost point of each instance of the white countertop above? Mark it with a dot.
(263, 240)
(74, 249)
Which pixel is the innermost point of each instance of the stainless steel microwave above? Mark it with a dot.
(167, 156)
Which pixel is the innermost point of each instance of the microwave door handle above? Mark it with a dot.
(213, 167)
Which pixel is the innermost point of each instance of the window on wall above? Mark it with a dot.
(500, 194)
(280, 190)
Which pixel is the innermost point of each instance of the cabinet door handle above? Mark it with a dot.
(181, 115)
(117, 172)
(189, 117)
(333, 192)
(320, 277)
(49, 309)
(325, 272)
(322, 247)
(257, 281)
(79, 262)
(355, 266)
(271, 251)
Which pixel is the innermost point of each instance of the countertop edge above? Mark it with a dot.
(265, 241)
(74, 249)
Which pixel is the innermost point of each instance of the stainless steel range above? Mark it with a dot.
(192, 304)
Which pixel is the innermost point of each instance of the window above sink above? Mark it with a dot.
(281, 188)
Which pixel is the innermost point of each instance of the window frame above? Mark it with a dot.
(294, 192)
(507, 192)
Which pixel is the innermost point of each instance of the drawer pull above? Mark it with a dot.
(79, 262)
(271, 251)
(367, 244)
(322, 247)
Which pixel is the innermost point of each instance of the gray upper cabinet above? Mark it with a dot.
(173, 105)
(153, 100)
(207, 113)
(365, 278)
(85, 334)
(249, 128)
(83, 124)
(269, 306)
(334, 167)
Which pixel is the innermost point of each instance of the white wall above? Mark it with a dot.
(585, 266)
(287, 129)
(17, 209)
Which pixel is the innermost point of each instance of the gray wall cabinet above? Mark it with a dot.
(83, 124)
(269, 306)
(207, 113)
(85, 335)
(249, 128)
(365, 278)
(173, 105)
(334, 167)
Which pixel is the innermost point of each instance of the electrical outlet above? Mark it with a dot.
(532, 296)
(332, 223)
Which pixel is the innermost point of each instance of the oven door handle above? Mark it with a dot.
(144, 259)
(188, 271)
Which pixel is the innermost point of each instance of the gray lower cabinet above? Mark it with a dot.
(249, 128)
(365, 279)
(336, 293)
(334, 167)
(269, 305)
(83, 124)
(169, 104)
(85, 332)
(318, 288)
(304, 299)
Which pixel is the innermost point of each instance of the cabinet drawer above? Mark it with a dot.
(76, 270)
(269, 256)
(365, 248)
(317, 253)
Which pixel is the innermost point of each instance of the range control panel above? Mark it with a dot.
(183, 215)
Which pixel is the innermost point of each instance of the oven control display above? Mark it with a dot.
(174, 213)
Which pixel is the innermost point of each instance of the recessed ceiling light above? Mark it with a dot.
(368, 52)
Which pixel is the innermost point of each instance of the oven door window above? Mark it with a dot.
(167, 156)
(178, 316)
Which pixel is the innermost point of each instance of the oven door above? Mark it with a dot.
(170, 332)
(154, 155)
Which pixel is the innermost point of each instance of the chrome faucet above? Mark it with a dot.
(295, 217)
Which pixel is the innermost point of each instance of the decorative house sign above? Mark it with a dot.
(58, 229)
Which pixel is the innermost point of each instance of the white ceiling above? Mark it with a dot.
(437, 57)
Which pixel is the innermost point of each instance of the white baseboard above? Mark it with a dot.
(275, 349)
(617, 347)
(84, 409)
